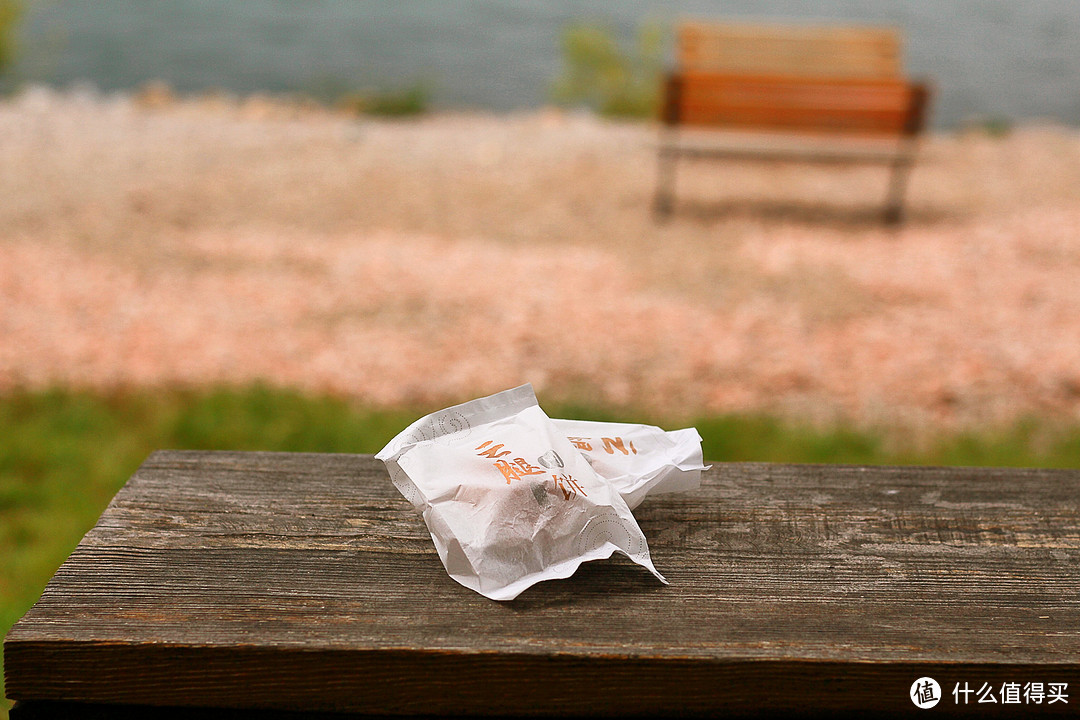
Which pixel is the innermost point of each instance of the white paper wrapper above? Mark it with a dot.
(638, 460)
(507, 498)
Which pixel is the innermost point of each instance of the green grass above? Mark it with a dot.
(63, 454)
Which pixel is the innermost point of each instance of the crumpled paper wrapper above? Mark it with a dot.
(510, 501)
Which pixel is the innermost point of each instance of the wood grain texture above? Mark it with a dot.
(296, 581)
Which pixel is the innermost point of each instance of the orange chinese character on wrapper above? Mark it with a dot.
(568, 486)
(493, 451)
(613, 444)
(581, 443)
(517, 469)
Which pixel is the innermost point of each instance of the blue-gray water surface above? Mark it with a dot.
(1001, 60)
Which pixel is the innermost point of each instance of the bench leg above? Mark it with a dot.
(901, 168)
(664, 203)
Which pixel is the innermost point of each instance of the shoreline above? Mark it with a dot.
(160, 95)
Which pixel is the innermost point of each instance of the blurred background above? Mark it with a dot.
(299, 226)
(991, 59)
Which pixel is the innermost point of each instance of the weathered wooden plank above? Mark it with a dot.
(305, 581)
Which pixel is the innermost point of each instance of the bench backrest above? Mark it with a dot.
(791, 50)
(793, 78)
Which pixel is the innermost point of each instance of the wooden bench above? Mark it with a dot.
(289, 582)
(837, 91)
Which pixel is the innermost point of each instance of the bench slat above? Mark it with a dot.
(875, 107)
(846, 51)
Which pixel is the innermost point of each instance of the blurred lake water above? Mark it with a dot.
(990, 60)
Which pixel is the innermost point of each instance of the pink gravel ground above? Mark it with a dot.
(150, 243)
